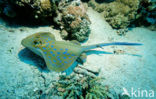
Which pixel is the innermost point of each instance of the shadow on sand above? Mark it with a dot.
(28, 57)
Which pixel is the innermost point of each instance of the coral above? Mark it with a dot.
(45, 4)
(73, 19)
(81, 85)
(118, 13)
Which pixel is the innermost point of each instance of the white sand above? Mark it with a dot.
(20, 75)
(124, 70)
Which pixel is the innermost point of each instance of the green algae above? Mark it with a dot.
(88, 87)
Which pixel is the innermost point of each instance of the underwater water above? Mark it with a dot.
(54, 66)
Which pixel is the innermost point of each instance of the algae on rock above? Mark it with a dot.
(81, 84)
(73, 20)
(119, 13)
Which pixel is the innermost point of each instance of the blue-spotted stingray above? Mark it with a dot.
(60, 55)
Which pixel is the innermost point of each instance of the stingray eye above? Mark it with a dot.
(37, 42)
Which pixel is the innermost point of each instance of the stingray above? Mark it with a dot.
(60, 56)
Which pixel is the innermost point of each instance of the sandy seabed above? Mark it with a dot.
(135, 68)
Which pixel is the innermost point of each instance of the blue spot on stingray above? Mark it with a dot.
(49, 39)
(54, 60)
(65, 62)
(69, 57)
(66, 49)
(44, 48)
(64, 57)
(51, 52)
(50, 62)
(52, 46)
(68, 54)
(52, 42)
(58, 65)
(49, 57)
(72, 55)
(38, 48)
(69, 61)
(54, 49)
(58, 58)
(64, 52)
(53, 65)
(47, 44)
(58, 52)
(45, 52)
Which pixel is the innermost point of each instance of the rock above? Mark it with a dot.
(84, 71)
(122, 32)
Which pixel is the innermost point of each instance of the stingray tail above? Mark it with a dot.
(85, 48)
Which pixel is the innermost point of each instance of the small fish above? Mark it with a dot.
(60, 55)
